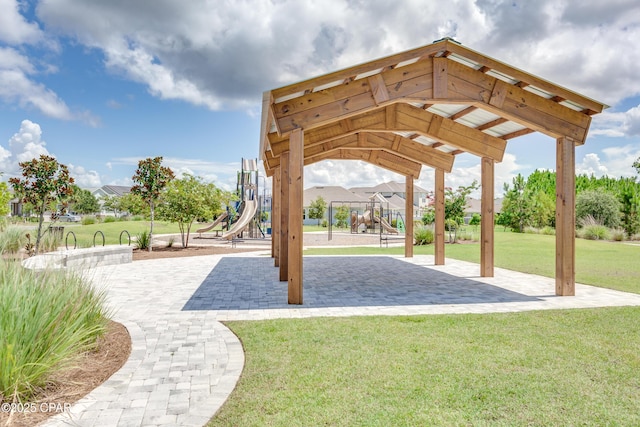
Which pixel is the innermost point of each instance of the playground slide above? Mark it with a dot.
(365, 218)
(388, 228)
(249, 211)
(216, 222)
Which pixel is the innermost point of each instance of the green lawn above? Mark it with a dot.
(573, 367)
(612, 265)
(112, 230)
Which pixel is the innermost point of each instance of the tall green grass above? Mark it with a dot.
(46, 320)
(12, 239)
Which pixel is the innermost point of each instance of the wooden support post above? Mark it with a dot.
(275, 218)
(408, 213)
(565, 217)
(439, 226)
(295, 177)
(486, 225)
(284, 216)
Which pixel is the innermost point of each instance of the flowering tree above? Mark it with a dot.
(46, 184)
(151, 178)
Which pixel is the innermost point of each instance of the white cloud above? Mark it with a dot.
(14, 28)
(17, 86)
(226, 54)
(28, 144)
(617, 124)
(84, 178)
(591, 165)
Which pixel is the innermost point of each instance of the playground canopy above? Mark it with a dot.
(419, 108)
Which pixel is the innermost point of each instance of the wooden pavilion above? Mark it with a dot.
(420, 107)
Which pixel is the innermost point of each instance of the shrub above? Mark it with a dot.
(595, 232)
(423, 235)
(531, 230)
(549, 231)
(602, 206)
(592, 229)
(618, 234)
(12, 240)
(467, 236)
(108, 219)
(137, 218)
(46, 319)
(429, 217)
(171, 242)
(88, 220)
(143, 240)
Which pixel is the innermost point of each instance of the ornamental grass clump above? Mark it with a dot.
(47, 319)
(12, 239)
(423, 235)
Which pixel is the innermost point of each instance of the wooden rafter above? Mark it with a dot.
(404, 118)
(514, 103)
(377, 157)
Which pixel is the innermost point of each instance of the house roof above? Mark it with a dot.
(419, 107)
(114, 190)
(331, 194)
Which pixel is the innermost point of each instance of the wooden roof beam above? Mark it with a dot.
(341, 75)
(380, 158)
(516, 104)
(404, 118)
(449, 132)
(316, 109)
(525, 77)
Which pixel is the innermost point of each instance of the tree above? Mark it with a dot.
(151, 178)
(46, 185)
(636, 165)
(110, 203)
(133, 204)
(341, 216)
(317, 209)
(84, 202)
(516, 209)
(475, 219)
(187, 199)
(543, 210)
(455, 202)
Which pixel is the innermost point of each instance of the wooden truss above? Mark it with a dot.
(419, 108)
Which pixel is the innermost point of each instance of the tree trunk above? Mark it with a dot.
(151, 229)
(39, 234)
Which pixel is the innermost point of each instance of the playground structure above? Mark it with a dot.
(249, 207)
(374, 217)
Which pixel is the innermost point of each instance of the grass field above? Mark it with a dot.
(573, 367)
(85, 233)
(607, 264)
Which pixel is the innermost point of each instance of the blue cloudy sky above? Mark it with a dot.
(101, 84)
